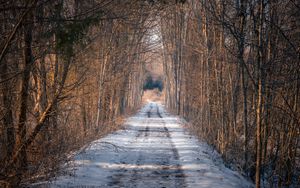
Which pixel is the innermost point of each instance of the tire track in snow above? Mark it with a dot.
(135, 175)
(169, 172)
(179, 173)
(119, 179)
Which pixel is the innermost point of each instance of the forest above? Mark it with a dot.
(72, 70)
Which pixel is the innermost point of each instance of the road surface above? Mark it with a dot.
(153, 151)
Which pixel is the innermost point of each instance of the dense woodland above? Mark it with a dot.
(71, 69)
(232, 70)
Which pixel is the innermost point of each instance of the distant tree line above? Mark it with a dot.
(151, 84)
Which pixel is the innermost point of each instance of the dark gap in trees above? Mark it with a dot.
(151, 83)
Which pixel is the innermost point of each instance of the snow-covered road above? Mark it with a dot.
(152, 151)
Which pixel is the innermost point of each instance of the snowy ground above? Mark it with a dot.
(153, 151)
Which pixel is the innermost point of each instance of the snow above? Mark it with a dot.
(154, 150)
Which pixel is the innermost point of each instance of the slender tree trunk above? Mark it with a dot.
(259, 98)
(8, 126)
(245, 119)
(258, 134)
(21, 128)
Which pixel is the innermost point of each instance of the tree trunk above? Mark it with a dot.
(21, 164)
(259, 97)
(8, 126)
